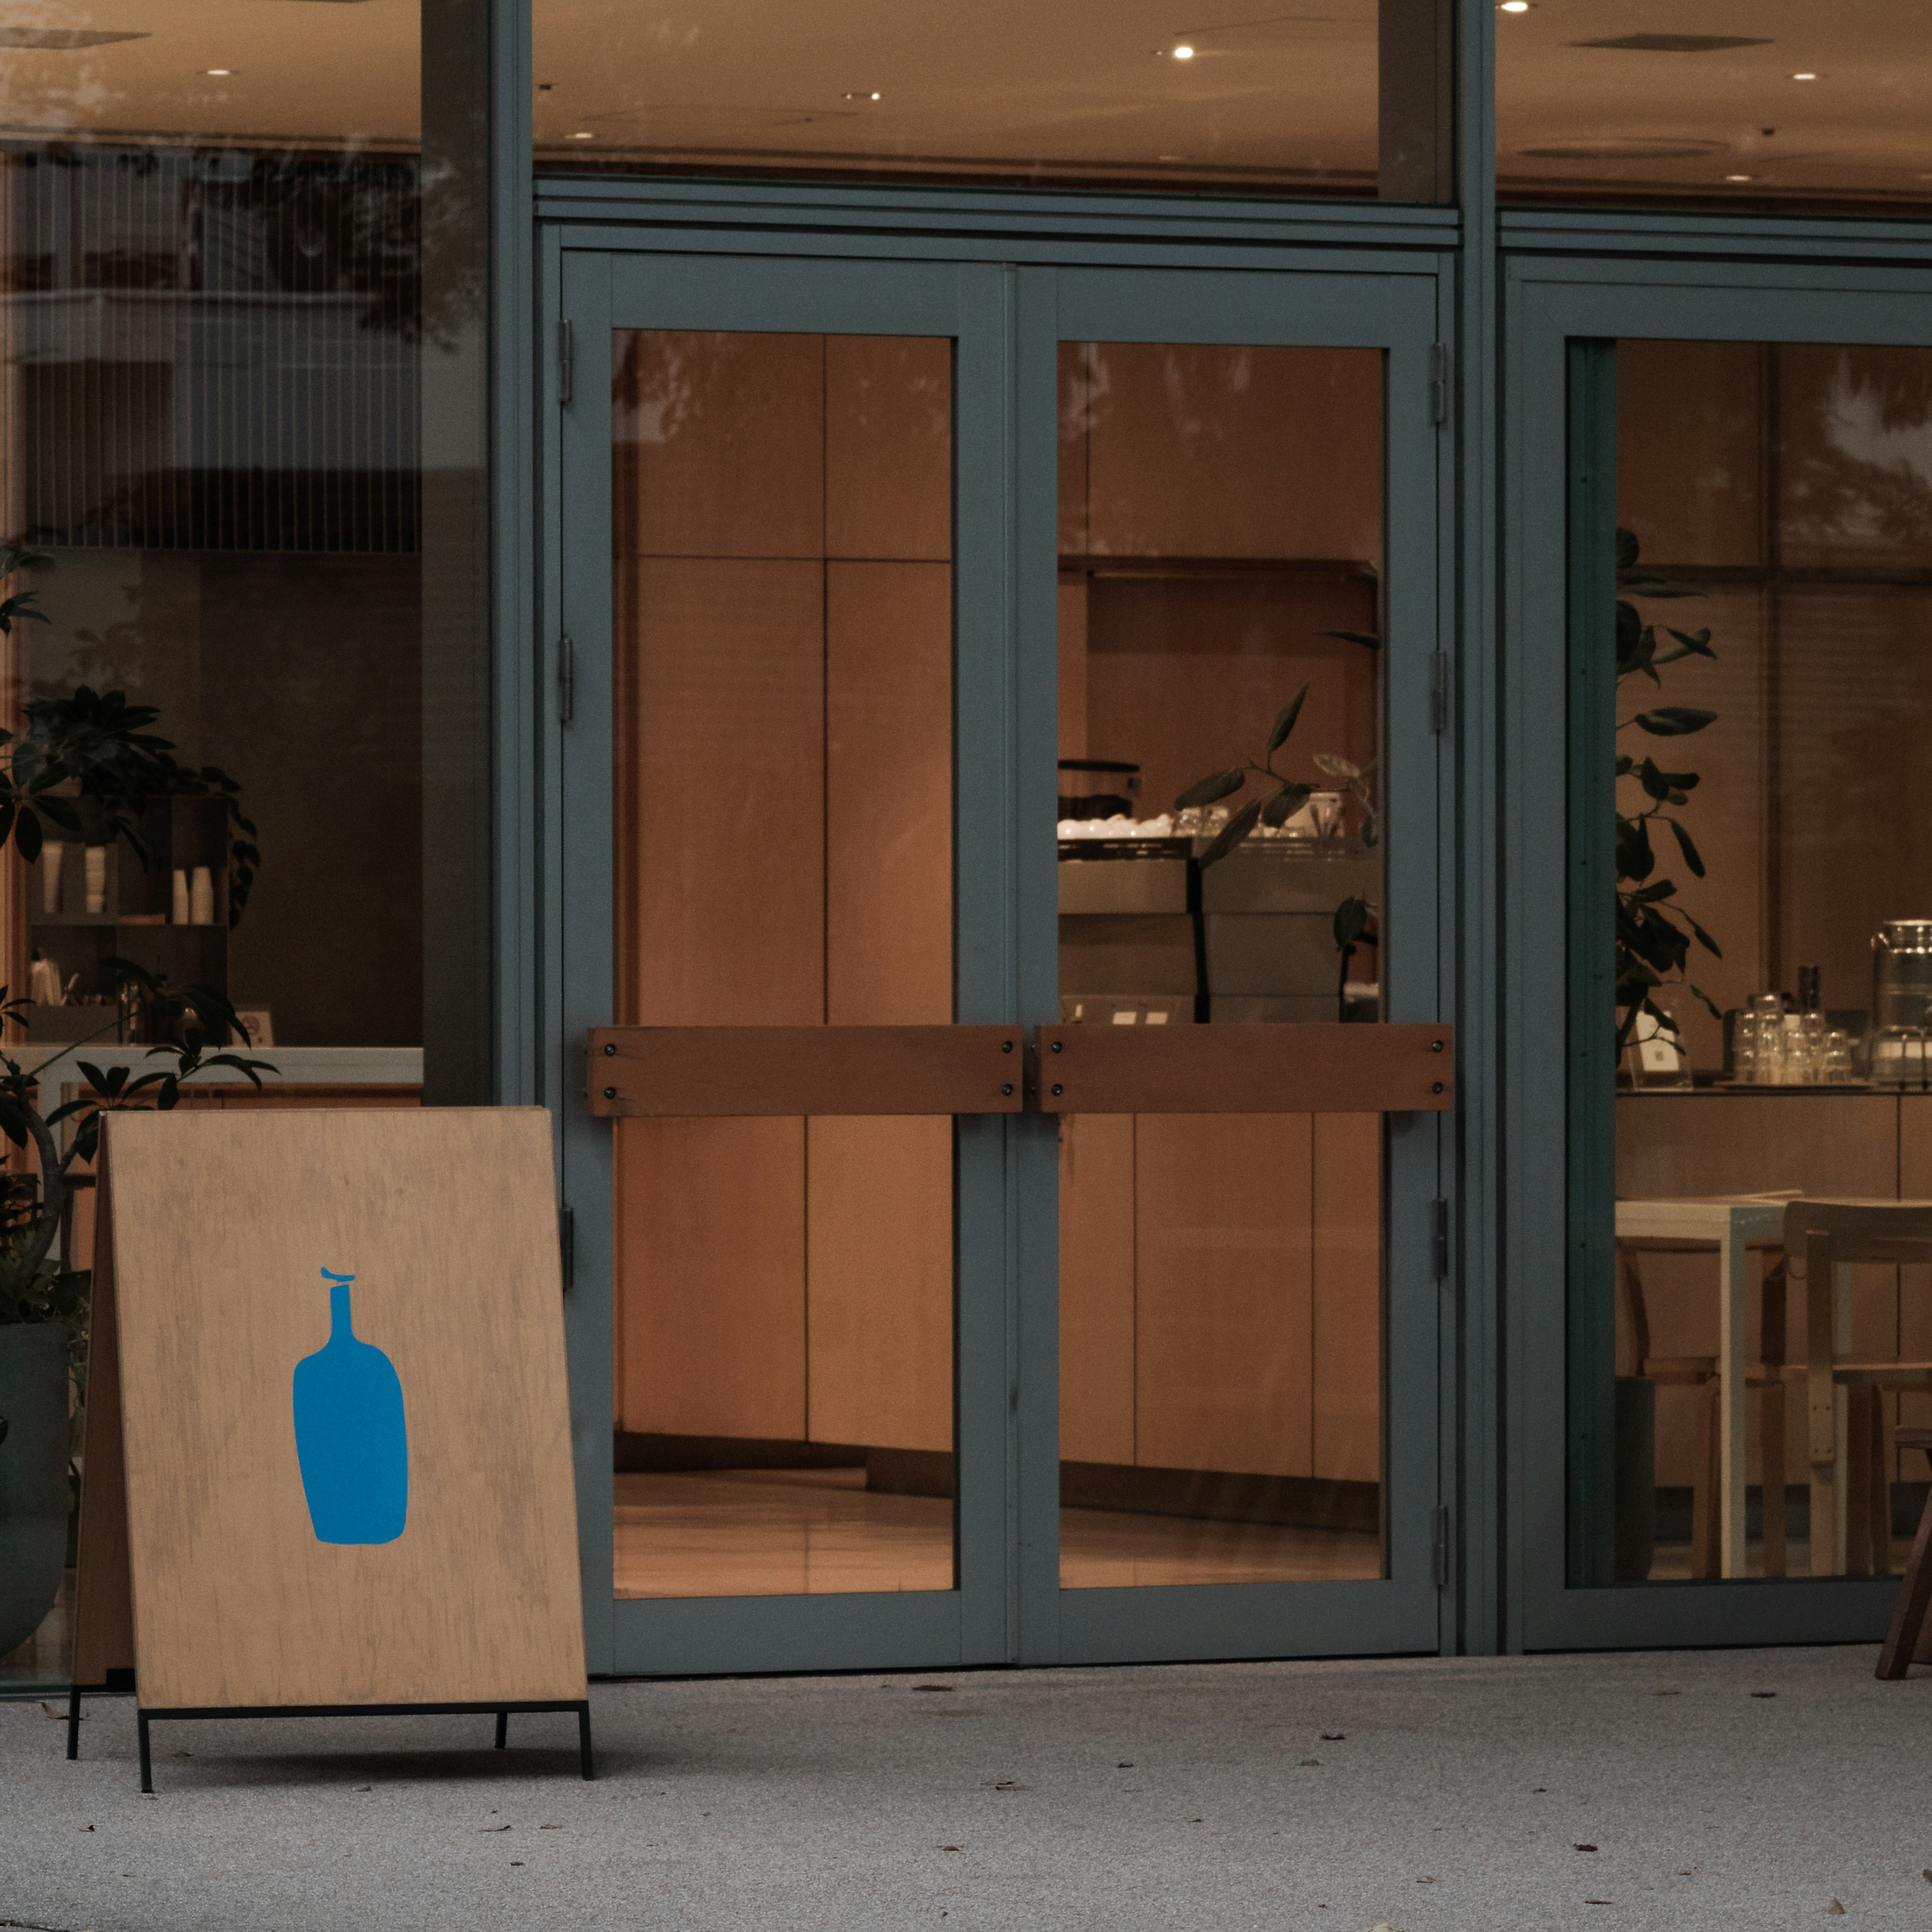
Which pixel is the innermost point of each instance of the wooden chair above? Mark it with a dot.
(1766, 1375)
(1902, 1641)
(1851, 1492)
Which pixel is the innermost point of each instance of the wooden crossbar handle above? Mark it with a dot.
(1363, 1068)
(685, 1071)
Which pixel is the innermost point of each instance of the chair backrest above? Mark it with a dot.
(1860, 1231)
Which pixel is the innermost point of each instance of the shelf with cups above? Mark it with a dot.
(88, 902)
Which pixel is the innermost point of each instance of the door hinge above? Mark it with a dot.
(566, 679)
(1440, 1550)
(1442, 1244)
(1439, 382)
(566, 1244)
(566, 364)
(1439, 692)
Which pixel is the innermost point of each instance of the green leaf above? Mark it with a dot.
(1207, 791)
(1285, 719)
(1371, 832)
(1635, 859)
(1351, 921)
(1626, 548)
(1367, 639)
(1337, 767)
(1704, 939)
(27, 834)
(1231, 834)
(1697, 644)
(1672, 721)
(1690, 851)
(1285, 804)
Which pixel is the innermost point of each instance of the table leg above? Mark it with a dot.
(1733, 1264)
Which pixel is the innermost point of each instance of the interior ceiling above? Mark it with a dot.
(1567, 114)
(1070, 87)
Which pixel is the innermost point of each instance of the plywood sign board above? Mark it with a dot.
(343, 1408)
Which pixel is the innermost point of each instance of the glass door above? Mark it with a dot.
(1004, 1196)
(1246, 1068)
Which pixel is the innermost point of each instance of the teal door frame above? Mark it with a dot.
(1564, 313)
(1006, 315)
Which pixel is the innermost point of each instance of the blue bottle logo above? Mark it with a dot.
(350, 1437)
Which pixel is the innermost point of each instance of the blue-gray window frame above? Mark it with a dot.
(1564, 313)
(1510, 1178)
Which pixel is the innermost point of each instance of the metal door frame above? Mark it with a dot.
(1009, 316)
(1559, 1164)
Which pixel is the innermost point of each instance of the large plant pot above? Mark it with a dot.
(33, 1476)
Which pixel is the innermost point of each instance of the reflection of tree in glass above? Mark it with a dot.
(1858, 459)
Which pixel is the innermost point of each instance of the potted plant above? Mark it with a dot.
(95, 746)
(1274, 807)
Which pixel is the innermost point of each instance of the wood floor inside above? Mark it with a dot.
(809, 1532)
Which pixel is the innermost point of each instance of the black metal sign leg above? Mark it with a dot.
(147, 1760)
(74, 1720)
(583, 1740)
(502, 1729)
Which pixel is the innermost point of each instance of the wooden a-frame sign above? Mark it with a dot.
(328, 1462)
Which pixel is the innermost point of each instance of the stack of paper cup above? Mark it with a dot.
(96, 858)
(201, 897)
(178, 911)
(50, 874)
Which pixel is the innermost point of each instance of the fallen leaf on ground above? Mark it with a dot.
(953, 1848)
(549, 1827)
(1764, 1693)
(934, 1687)
(1586, 1848)
(1127, 1764)
(363, 1787)
(1834, 1910)
(516, 1861)
(1005, 1784)
(1311, 1760)
(1666, 1693)
(481, 1828)
(87, 1827)
(1333, 1737)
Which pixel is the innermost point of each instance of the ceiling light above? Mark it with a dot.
(1513, 6)
(862, 94)
(1184, 51)
(1805, 76)
(218, 73)
(1737, 178)
(583, 135)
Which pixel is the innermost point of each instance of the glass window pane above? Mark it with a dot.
(783, 515)
(223, 326)
(1221, 1275)
(1772, 495)
(1072, 94)
(1761, 108)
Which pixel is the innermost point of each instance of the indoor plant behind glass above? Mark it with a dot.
(93, 746)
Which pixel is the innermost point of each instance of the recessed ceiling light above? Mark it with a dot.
(862, 94)
(218, 73)
(1513, 6)
(1736, 178)
(583, 135)
(1805, 76)
(1184, 51)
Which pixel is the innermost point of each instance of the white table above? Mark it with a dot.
(1728, 1222)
